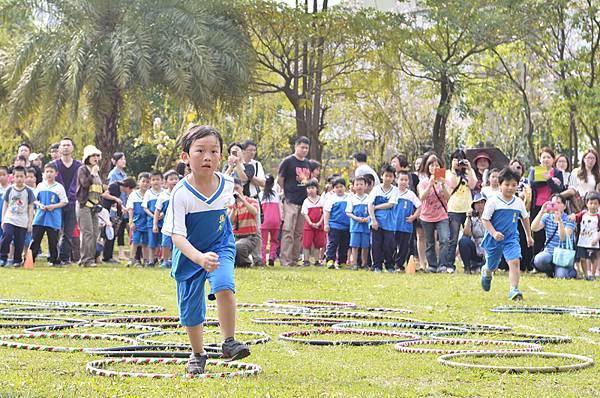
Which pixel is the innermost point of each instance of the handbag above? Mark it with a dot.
(564, 255)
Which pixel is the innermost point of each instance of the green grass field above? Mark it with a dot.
(298, 370)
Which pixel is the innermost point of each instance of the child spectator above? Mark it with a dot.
(337, 225)
(50, 197)
(138, 223)
(30, 177)
(162, 204)
(3, 187)
(149, 206)
(469, 246)
(17, 217)
(269, 228)
(493, 187)
(381, 201)
(314, 238)
(589, 236)
(500, 218)
(406, 211)
(357, 210)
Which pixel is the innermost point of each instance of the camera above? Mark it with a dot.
(462, 163)
(97, 209)
(236, 195)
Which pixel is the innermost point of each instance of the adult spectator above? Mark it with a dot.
(362, 168)
(461, 180)
(469, 246)
(243, 215)
(523, 192)
(234, 166)
(24, 150)
(54, 152)
(36, 163)
(253, 169)
(67, 177)
(293, 175)
(563, 164)
(583, 179)
(558, 229)
(118, 174)
(481, 163)
(89, 192)
(400, 163)
(113, 202)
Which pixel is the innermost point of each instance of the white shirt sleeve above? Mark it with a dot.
(129, 204)
(393, 195)
(146, 199)
(175, 217)
(415, 199)
(62, 195)
(488, 210)
(260, 172)
(304, 209)
(328, 204)
(522, 209)
(350, 204)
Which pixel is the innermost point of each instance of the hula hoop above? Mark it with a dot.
(156, 321)
(408, 346)
(96, 368)
(313, 304)
(348, 315)
(423, 329)
(5, 341)
(36, 311)
(384, 309)
(519, 337)
(144, 338)
(471, 326)
(532, 310)
(595, 330)
(135, 308)
(265, 307)
(44, 321)
(297, 321)
(585, 362)
(147, 351)
(141, 329)
(398, 337)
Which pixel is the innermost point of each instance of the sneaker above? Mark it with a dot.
(110, 261)
(196, 364)
(331, 264)
(2, 263)
(306, 263)
(400, 270)
(271, 263)
(164, 264)
(377, 269)
(515, 294)
(234, 350)
(318, 264)
(450, 270)
(590, 278)
(356, 267)
(442, 269)
(131, 263)
(486, 278)
(389, 270)
(10, 262)
(18, 264)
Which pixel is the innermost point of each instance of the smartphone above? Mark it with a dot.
(440, 173)
(552, 207)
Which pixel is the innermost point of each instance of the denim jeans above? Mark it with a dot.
(69, 218)
(443, 230)
(543, 263)
(468, 253)
(456, 221)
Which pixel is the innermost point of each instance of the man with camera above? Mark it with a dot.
(243, 215)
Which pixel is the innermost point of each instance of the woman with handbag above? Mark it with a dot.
(557, 257)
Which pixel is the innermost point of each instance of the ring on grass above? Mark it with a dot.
(260, 338)
(133, 329)
(595, 330)
(39, 311)
(297, 321)
(392, 337)
(97, 368)
(19, 321)
(162, 322)
(419, 328)
(517, 309)
(409, 346)
(313, 304)
(384, 309)
(7, 341)
(130, 308)
(264, 307)
(350, 315)
(471, 326)
(515, 337)
(148, 351)
(584, 362)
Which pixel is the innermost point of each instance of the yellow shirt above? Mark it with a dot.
(460, 201)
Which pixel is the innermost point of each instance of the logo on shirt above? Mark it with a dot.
(302, 175)
(221, 222)
(514, 217)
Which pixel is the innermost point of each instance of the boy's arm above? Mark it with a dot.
(527, 228)
(326, 215)
(30, 214)
(131, 223)
(374, 223)
(353, 217)
(383, 206)
(4, 208)
(415, 215)
(492, 231)
(209, 261)
(155, 217)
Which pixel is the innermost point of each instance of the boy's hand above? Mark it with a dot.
(209, 261)
(364, 219)
(375, 225)
(410, 219)
(161, 216)
(132, 227)
(530, 241)
(327, 228)
(572, 217)
(155, 229)
(595, 242)
(499, 236)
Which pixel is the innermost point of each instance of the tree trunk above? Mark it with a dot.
(106, 133)
(441, 116)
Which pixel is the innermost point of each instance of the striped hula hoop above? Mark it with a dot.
(518, 337)
(135, 330)
(261, 338)
(422, 329)
(313, 304)
(7, 341)
(392, 337)
(409, 346)
(162, 322)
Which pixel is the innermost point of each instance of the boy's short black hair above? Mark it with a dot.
(248, 143)
(232, 145)
(360, 178)
(155, 173)
(592, 195)
(129, 182)
(494, 170)
(51, 165)
(143, 174)
(197, 132)
(402, 173)
(19, 169)
(302, 140)
(30, 170)
(4, 168)
(25, 145)
(54, 146)
(369, 179)
(332, 177)
(360, 157)
(388, 169)
(313, 165)
(338, 181)
(170, 173)
(312, 183)
(507, 174)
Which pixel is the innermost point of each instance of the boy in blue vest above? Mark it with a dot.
(138, 223)
(500, 218)
(149, 206)
(162, 204)
(204, 244)
(337, 225)
(407, 210)
(382, 200)
(357, 210)
(50, 198)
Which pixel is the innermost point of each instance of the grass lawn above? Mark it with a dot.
(298, 370)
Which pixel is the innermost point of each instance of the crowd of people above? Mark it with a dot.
(380, 221)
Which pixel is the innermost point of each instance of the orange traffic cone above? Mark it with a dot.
(411, 267)
(28, 264)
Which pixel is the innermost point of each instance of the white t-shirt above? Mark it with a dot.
(489, 192)
(366, 169)
(588, 231)
(258, 172)
(583, 187)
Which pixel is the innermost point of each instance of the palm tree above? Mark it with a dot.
(105, 54)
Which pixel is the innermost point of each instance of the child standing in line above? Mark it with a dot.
(493, 187)
(138, 223)
(313, 239)
(204, 245)
(360, 235)
(50, 198)
(149, 206)
(337, 225)
(381, 200)
(500, 218)
(162, 204)
(407, 211)
(269, 228)
(589, 235)
(17, 217)
(3, 187)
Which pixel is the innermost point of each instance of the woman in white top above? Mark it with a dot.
(563, 163)
(584, 179)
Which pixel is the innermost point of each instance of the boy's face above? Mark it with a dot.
(339, 189)
(359, 187)
(388, 178)
(156, 182)
(593, 205)
(402, 181)
(49, 174)
(172, 181)
(204, 155)
(3, 177)
(143, 183)
(30, 179)
(19, 178)
(494, 179)
(508, 187)
(311, 191)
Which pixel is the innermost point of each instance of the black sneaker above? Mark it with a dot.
(196, 364)
(234, 350)
(271, 263)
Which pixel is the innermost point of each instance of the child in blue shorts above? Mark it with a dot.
(500, 218)
(138, 223)
(204, 244)
(149, 205)
(357, 210)
(406, 211)
(162, 204)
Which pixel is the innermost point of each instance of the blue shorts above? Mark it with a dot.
(167, 241)
(510, 249)
(190, 293)
(154, 239)
(140, 238)
(360, 239)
